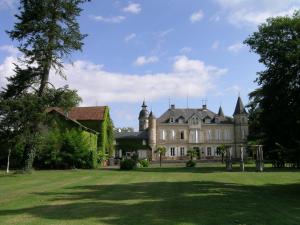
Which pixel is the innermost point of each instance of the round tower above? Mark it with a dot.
(143, 118)
(240, 117)
(152, 132)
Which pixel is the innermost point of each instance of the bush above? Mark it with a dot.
(65, 150)
(127, 164)
(190, 163)
(144, 163)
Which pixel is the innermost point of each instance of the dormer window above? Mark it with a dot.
(172, 120)
(194, 121)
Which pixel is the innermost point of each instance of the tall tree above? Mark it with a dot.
(275, 106)
(47, 32)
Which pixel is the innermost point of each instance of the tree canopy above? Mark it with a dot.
(275, 106)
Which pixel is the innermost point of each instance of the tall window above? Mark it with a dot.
(181, 135)
(162, 134)
(173, 134)
(197, 137)
(172, 151)
(182, 152)
(172, 120)
(208, 151)
(218, 134)
(208, 133)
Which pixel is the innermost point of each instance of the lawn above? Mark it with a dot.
(168, 196)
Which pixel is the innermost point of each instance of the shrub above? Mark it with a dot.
(127, 164)
(190, 163)
(144, 163)
(64, 150)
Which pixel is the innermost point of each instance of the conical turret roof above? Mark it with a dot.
(221, 113)
(151, 115)
(239, 108)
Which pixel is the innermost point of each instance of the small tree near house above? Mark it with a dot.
(221, 150)
(161, 151)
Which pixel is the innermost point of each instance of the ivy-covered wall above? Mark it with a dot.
(105, 132)
(66, 144)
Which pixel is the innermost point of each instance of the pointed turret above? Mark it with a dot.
(220, 113)
(239, 108)
(143, 117)
(151, 115)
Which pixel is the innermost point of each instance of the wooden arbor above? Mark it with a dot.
(259, 162)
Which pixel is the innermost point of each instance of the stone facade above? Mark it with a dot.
(201, 129)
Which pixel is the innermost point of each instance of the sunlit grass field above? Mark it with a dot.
(168, 196)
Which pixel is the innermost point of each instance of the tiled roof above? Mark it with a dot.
(54, 110)
(83, 113)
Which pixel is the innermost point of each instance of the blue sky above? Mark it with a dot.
(159, 50)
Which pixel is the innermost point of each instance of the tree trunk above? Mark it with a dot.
(44, 78)
(8, 158)
(222, 158)
(160, 160)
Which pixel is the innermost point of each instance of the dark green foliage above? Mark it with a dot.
(65, 150)
(19, 116)
(190, 163)
(47, 32)
(275, 107)
(127, 164)
(192, 153)
(221, 150)
(144, 163)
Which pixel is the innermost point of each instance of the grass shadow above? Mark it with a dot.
(171, 203)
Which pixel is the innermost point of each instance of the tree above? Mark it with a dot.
(192, 153)
(275, 106)
(221, 150)
(18, 114)
(161, 150)
(47, 32)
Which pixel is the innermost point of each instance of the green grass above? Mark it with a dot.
(167, 196)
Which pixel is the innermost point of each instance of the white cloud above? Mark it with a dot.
(185, 50)
(96, 84)
(236, 48)
(129, 37)
(134, 8)
(252, 13)
(215, 45)
(6, 70)
(196, 16)
(10, 49)
(143, 60)
(113, 19)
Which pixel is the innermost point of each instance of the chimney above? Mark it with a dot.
(204, 107)
(173, 106)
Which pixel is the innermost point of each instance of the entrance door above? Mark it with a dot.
(198, 153)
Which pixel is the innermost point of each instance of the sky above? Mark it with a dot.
(182, 52)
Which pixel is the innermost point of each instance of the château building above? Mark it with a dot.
(181, 129)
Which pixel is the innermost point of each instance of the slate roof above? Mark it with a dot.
(83, 113)
(239, 108)
(186, 114)
(132, 135)
(221, 113)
